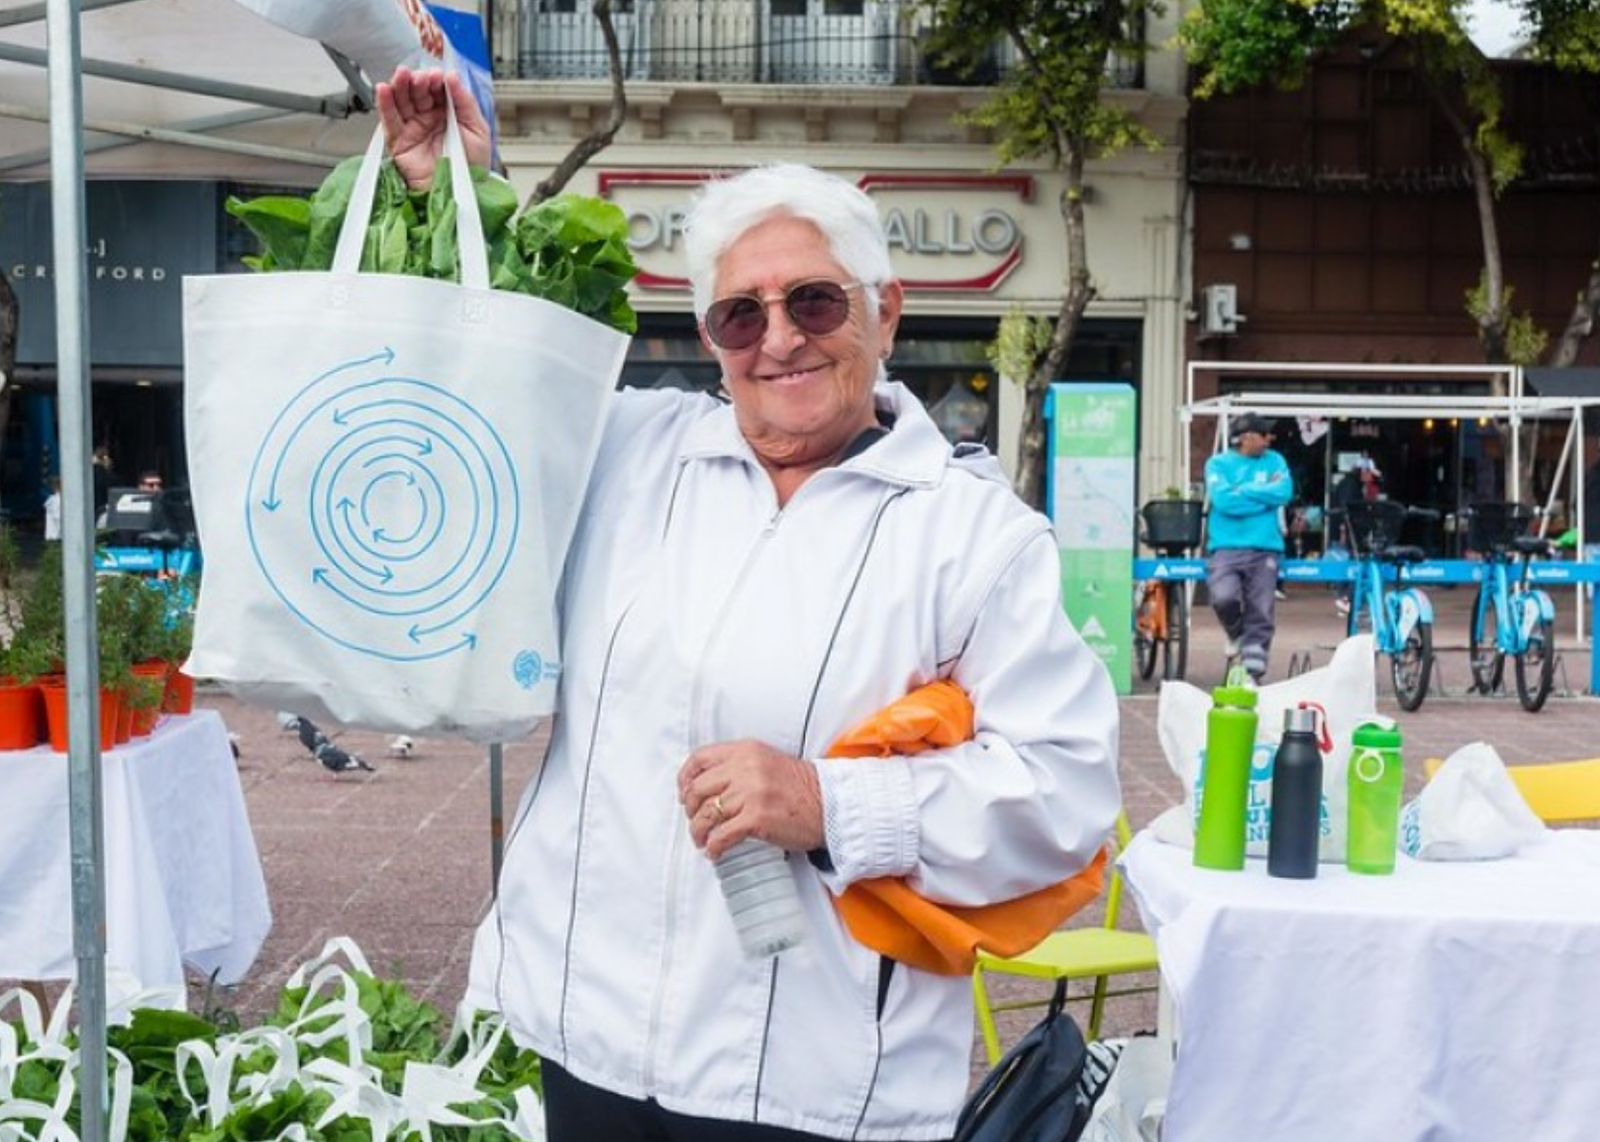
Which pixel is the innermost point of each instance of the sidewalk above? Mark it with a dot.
(399, 859)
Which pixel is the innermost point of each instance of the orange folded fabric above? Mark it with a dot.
(888, 916)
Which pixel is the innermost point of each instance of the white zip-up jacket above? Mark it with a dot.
(695, 610)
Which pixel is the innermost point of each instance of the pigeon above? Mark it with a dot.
(322, 748)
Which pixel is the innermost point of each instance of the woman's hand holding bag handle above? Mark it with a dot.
(472, 249)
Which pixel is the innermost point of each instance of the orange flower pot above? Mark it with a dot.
(179, 696)
(55, 714)
(21, 715)
(124, 723)
(144, 720)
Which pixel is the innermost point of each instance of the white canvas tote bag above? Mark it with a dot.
(386, 474)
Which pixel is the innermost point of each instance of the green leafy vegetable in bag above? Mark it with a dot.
(571, 249)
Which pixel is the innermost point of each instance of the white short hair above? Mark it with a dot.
(726, 208)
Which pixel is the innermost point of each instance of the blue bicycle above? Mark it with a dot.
(1400, 617)
(1510, 616)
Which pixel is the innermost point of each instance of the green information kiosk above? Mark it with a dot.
(1090, 499)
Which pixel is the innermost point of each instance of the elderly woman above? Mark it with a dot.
(753, 575)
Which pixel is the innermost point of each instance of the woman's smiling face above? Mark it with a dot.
(800, 398)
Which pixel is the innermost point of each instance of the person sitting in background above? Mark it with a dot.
(738, 593)
(150, 481)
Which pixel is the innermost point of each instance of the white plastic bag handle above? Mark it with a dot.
(472, 252)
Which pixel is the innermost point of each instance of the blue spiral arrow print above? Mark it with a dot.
(383, 510)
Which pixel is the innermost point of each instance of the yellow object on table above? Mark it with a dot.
(1558, 791)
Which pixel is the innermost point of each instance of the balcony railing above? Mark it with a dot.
(832, 42)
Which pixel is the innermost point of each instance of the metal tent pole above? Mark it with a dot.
(70, 244)
(497, 817)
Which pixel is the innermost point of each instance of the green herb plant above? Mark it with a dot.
(22, 657)
(404, 1031)
(571, 250)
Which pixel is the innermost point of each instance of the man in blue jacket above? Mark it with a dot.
(1246, 486)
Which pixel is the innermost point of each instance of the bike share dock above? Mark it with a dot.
(1294, 651)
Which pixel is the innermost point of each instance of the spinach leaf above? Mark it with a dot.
(571, 250)
(281, 222)
(328, 206)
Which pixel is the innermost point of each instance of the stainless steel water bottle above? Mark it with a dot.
(1295, 827)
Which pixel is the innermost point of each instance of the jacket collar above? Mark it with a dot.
(913, 454)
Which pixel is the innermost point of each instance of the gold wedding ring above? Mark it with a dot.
(716, 807)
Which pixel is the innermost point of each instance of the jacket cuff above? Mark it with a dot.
(869, 811)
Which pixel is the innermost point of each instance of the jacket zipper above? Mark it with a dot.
(678, 855)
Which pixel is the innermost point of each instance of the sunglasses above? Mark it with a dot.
(816, 308)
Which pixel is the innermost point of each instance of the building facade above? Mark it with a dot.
(1336, 223)
(718, 85)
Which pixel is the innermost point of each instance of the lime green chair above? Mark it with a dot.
(1073, 953)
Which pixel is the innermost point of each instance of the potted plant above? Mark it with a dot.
(175, 642)
(44, 622)
(22, 658)
(130, 620)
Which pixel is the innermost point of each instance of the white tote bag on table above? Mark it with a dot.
(386, 473)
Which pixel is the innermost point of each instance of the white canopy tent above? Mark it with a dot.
(184, 89)
(1515, 407)
(161, 89)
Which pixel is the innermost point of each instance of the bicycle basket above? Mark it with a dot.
(1492, 526)
(1172, 523)
(1374, 525)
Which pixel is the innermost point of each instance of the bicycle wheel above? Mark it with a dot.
(1411, 666)
(1146, 624)
(1536, 663)
(1484, 656)
(1177, 659)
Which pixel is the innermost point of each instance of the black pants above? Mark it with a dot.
(574, 1111)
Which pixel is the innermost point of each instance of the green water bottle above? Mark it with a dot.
(1225, 774)
(1376, 783)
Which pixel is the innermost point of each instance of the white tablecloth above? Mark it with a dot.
(1451, 1001)
(183, 880)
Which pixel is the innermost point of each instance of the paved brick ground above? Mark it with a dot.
(400, 859)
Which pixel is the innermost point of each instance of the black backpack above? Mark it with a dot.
(1044, 1088)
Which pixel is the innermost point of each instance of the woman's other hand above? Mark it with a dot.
(733, 790)
(411, 107)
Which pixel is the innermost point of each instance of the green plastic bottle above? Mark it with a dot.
(1376, 784)
(1225, 774)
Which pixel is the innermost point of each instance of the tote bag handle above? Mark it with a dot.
(469, 226)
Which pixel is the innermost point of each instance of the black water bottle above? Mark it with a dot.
(1296, 822)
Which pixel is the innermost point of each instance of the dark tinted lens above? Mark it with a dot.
(818, 307)
(736, 322)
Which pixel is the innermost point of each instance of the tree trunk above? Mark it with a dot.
(599, 139)
(1033, 452)
(1496, 314)
(1464, 123)
(1585, 311)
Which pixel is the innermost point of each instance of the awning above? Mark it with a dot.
(208, 89)
(1579, 381)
